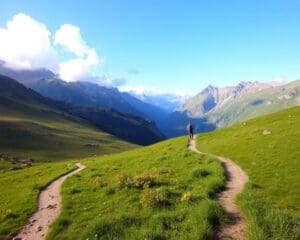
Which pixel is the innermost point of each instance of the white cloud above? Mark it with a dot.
(70, 38)
(79, 68)
(74, 69)
(107, 81)
(153, 91)
(183, 93)
(25, 44)
(141, 90)
(277, 81)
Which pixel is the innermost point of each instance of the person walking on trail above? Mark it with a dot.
(190, 128)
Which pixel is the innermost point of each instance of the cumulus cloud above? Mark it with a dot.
(79, 68)
(25, 44)
(70, 38)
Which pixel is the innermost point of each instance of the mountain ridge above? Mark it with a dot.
(19, 99)
(241, 102)
(213, 107)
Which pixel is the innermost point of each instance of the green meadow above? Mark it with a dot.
(20, 187)
(54, 139)
(163, 191)
(268, 150)
(157, 192)
(49, 137)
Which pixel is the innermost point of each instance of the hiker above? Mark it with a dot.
(190, 128)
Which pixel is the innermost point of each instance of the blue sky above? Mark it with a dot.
(179, 45)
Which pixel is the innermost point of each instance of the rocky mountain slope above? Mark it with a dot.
(213, 98)
(226, 106)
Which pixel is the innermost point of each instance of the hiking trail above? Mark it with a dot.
(49, 207)
(236, 179)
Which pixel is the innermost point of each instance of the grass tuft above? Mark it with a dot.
(200, 173)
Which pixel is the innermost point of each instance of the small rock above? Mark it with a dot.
(266, 132)
(39, 228)
(50, 206)
(33, 220)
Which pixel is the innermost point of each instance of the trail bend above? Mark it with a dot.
(236, 179)
(49, 207)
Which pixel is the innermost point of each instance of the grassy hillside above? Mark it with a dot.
(20, 187)
(156, 192)
(31, 129)
(268, 149)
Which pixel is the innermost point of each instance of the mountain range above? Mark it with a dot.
(229, 105)
(23, 101)
(165, 114)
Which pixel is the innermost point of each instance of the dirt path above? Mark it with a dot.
(236, 179)
(49, 206)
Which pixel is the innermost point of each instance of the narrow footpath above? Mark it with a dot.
(236, 179)
(49, 207)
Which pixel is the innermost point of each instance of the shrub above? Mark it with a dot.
(124, 181)
(144, 181)
(154, 198)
